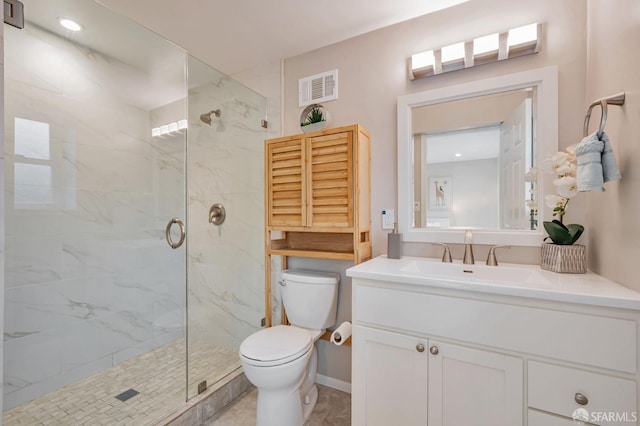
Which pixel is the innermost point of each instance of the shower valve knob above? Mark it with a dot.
(217, 214)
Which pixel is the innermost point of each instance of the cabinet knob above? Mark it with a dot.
(581, 399)
(420, 347)
(434, 350)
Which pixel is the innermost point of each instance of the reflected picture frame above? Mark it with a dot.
(440, 192)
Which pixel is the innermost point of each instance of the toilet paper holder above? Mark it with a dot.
(341, 334)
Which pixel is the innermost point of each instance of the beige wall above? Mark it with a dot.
(372, 74)
(613, 65)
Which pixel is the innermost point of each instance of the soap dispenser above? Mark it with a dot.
(394, 244)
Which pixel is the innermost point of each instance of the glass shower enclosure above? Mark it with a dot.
(111, 132)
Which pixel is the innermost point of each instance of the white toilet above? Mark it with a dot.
(282, 361)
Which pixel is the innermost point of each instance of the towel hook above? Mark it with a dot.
(603, 117)
(617, 99)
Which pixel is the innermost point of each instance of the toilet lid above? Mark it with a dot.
(276, 345)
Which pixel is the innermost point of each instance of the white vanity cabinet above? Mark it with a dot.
(438, 351)
(406, 380)
(469, 386)
(391, 376)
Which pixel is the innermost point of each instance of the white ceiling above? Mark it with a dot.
(232, 36)
(236, 35)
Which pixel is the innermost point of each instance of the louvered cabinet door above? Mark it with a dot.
(285, 165)
(330, 177)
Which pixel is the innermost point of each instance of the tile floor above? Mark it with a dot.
(332, 409)
(158, 375)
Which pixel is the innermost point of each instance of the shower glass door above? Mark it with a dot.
(95, 148)
(226, 261)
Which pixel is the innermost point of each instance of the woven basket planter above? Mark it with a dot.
(562, 258)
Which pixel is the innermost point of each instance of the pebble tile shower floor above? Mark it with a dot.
(158, 376)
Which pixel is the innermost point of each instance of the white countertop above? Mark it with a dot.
(505, 279)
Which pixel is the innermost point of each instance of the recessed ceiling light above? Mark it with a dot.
(70, 24)
(458, 154)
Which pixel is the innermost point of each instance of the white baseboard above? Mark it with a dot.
(333, 383)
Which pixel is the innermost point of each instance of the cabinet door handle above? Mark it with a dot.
(434, 350)
(420, 347)
(581, 399)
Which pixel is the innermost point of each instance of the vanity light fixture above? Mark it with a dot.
(486, 49)
(70, 24)
(423, 63)
(495, 47)
(452, 57)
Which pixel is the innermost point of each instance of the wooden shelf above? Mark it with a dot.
(318, 254)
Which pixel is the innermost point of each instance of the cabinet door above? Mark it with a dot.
(473, 387)
(330, 174)
(286, 188)
(389, 382)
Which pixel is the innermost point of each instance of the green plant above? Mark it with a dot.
(314, 116)
(563, 165)
(561, 234)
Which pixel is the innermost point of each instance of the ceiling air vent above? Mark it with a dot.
(318, 88)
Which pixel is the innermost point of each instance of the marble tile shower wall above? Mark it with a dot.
(226, 165)
(89, 279)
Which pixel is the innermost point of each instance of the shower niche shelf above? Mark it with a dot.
(317, 196)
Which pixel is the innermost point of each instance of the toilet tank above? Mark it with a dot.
(310, 297)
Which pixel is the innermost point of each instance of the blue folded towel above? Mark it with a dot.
(596, 163)
(609, 167)
(589, 156)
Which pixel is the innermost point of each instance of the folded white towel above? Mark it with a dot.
(589, 157)
(609, 167)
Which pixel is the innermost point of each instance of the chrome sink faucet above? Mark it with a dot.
(468, 248)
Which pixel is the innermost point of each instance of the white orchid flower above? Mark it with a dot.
(531, 175)
(557, 160)
(566, 186)
(567, 169)
(553, 201)
(571, 149)
(532, 204)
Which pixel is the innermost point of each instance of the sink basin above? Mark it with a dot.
(505, 279)
(474, 273)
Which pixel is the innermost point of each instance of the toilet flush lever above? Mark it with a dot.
(283, 283)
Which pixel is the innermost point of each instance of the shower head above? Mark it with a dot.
(206, 117)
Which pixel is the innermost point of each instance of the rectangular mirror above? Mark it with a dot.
(464, 153)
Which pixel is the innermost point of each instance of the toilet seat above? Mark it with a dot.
(276, 345)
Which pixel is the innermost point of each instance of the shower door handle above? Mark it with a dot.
(167, 233)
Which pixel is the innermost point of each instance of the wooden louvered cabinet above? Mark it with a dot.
(317, 194)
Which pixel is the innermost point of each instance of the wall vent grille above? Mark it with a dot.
(318, 88)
